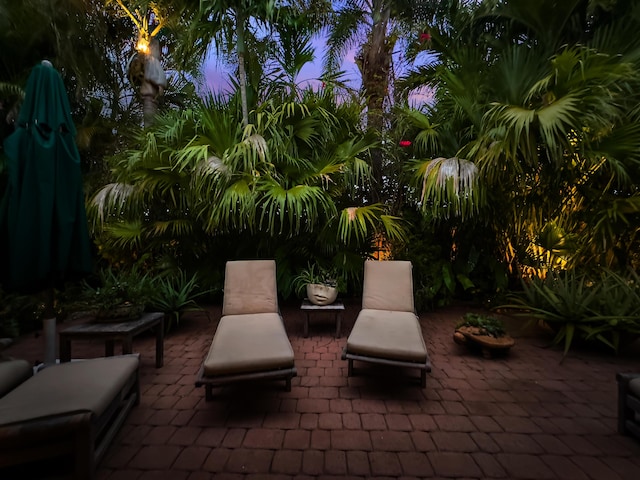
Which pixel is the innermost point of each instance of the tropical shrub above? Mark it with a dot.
(198, 189)
(114, 287)
(450, 262)
(175, 295)
(533, 130)
(19, 314)
(602, 307)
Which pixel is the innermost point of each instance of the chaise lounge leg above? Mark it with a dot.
(208, 392)
(622, 405)
(350, 368)
(423, 378)
(287, 384)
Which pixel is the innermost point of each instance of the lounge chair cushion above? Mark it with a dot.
(249, 343)
(250, 287)
(13, 373)
(82, 386)
(390, 335)
(388, 286)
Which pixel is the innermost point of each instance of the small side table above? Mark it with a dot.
(111, 332)
(336, 307)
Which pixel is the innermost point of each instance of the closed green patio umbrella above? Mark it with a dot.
(42, 215)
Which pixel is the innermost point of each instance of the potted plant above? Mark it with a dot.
(484, 332)
(119, 296)
(175, 295)
(319, 284)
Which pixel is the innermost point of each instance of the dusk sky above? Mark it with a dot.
(217, 75)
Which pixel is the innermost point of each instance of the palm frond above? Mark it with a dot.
(293, 210)
(176, 228)
(449, 186)
(360, 224)
(233, 208)
(126, 234)
(109, 199)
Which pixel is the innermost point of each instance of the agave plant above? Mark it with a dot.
(175, 295)
(603, 308)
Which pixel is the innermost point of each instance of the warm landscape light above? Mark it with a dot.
(143, 44)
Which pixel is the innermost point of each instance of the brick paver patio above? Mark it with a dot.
(522, 416)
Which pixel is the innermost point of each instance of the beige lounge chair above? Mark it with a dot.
(387, 330)
(250, 342)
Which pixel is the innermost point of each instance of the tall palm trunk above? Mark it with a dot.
(242, 74)
(375, 64)
(153, 82)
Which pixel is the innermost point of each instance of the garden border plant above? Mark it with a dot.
(602, 307)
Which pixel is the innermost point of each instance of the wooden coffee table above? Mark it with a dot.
(336, 307)
(116, 331)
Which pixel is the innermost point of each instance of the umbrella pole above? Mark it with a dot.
(49, 328)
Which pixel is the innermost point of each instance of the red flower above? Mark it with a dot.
(405, 143)
(425, 37)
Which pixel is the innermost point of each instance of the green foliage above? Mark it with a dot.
(549, 119)
(488, 325)
(115, 287)
(175, 295)
(19, 313)
(604, 307)
(450, 262)
(315, 274)
(199, 189)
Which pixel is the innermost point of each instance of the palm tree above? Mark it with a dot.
(372, 27)
(552, 131)
(287, 183)
(235, 26)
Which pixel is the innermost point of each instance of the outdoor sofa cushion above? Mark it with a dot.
(250, 287)
(388, 286)
(12, 374)
(71, 410)
(82, 386)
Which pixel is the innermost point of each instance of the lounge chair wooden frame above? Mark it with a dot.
(352, 371)
(209, 382)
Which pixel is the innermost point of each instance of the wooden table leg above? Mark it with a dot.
(160, 344)
(306, 326)
(65, 349)
(338, 324)
(127, 345)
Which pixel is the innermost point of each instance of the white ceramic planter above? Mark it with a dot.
(319, 294)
